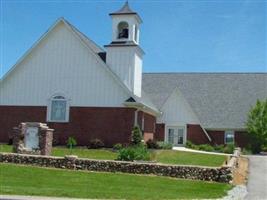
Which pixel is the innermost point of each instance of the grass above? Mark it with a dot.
(21, 180)
(5, 148)
(101, 154)
(161, 156)
(188, 158)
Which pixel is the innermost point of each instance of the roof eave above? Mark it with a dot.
(142, 107)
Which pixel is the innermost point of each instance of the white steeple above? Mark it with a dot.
(124, 56)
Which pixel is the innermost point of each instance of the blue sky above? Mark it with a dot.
(177, 36)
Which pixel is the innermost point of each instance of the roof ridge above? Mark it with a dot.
(85, 36)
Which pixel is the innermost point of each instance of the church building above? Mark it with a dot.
(85, 91)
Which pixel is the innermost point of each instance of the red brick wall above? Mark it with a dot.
(159, 134)
(217, 137)
(112, 125)
(149, 124)
(196, 135)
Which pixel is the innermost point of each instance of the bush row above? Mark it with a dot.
(228, 148)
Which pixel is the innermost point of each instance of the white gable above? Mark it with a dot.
(61, 63)
(176, 111)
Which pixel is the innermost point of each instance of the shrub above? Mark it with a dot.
(95, 144)
(136, 136)
(246, 151)
(134, 153)
(229, 148)
(164, 145)
(152, 144)
(219, 148)
(10, 141)
(117, 146)
(189, 144)
(205, 147)
(71, 142)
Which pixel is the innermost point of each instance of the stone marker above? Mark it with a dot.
(32, 138)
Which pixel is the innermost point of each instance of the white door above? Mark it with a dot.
(176, 135)
(32, 138)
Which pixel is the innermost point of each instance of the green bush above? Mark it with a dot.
(71, 142)
(219, 148)
(96, 144)
(189, 144)
(205, 147)
(136, 136)
(132, 153)
(117, 146)
(152, 144)
(246, 151)
(164, 145)
(229, 148)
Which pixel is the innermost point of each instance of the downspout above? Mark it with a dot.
(206, 133)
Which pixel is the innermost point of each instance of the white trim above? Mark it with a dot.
(175, 126)
(49, 109)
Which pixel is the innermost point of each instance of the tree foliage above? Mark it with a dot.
(257, 126)
(136, 136)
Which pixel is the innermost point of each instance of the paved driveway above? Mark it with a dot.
(257, 178)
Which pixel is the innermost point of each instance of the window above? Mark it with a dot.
(58, 110)
(229, 137)
(123, 30)
(171, 135)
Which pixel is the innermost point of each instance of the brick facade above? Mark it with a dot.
(111, 125)
(196, 135)
(159, 134)
(149, 125)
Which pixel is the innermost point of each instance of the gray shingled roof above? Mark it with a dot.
(220, 100)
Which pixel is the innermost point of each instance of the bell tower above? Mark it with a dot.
(124, 56)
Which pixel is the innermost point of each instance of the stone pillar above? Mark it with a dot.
(44, 138)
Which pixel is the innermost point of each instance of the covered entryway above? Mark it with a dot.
(175, 135)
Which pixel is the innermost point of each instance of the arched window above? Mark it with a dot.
(58, 110)
(123, 30)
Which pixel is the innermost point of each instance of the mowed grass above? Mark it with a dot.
(25, 180)
(101, 154)
(188, 158)
(161, 156)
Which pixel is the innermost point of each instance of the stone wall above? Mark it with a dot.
(220, 174)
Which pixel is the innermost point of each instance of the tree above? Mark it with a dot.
(136, 136)
(257, 126)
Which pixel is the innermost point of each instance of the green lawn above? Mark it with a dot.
(21, 180)
(189, 158)
(102, 154)
(5, 148)
(161, 156)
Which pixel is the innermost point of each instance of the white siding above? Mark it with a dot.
(127, 64)
(177, 112)
(138, 76)
(61, 64)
